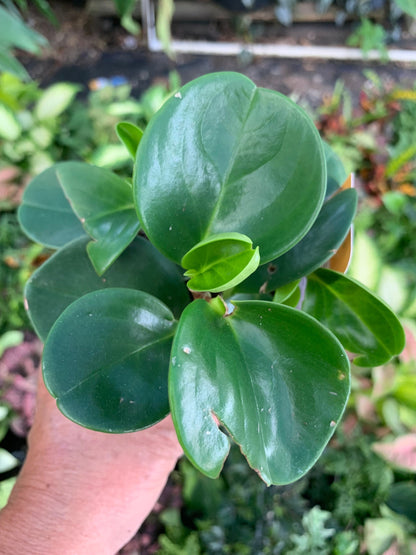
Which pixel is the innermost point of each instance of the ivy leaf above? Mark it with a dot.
(273, 377)
(112, 375)
(220, 262)
(68, 275)
(45, 214)
(104, 204)
(364, 324)
(130, 135)
(248, 160)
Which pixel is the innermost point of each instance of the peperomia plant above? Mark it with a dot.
(234, 189)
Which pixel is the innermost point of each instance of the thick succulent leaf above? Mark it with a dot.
(220, 262)
(104, 204)
(68, 275)
(321, 242)
(112, 375)
(130, 135)
(284, 292)
(363, 323)
(294, 299)
(272, 376)
(336, 174)
(223, 156)
(45, 214)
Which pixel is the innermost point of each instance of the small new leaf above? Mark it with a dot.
(130, 135)
(220, 262)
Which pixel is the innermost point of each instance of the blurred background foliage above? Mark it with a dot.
(361, 495)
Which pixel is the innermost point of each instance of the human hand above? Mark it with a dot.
(82, 491)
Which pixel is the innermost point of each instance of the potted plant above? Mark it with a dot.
(197, 287)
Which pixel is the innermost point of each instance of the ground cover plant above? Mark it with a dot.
(225, 352)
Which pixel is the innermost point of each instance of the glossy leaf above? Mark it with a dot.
(273, 377)
(45, 214)
(294, 299)
(68, 275)
(112, 375)
(130, 135)
(103, 202)
(336, 174)
(326, 235)
(364, 324)
(223, 156)
(220, 262)
(285, 291)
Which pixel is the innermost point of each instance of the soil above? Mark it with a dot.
(83, 48)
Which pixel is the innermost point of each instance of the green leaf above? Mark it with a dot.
(366, 264)
(6, 487)
(336, 174)
(247, 160)
(125, 10)
(319, 245)
(55, 100)
(14, 33)
(364, 324)
(45, 214)
(294, 298)
(112, 375)
(7, 461)
(284, 292)
(110, 156)
(402, 499)
(9, 64)
(408, 6)
(166, 9)
(130, 135)
(124, 7)
(273, 377)
(10, 128)
(220, 262)
(68, 275)
(7, 340)
(103, 202)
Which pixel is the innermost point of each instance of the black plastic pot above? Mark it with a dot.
(240, 6)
